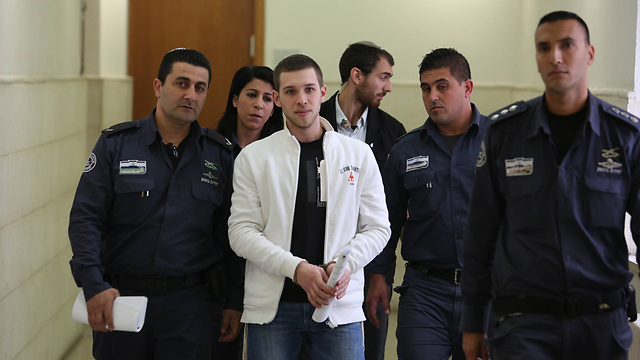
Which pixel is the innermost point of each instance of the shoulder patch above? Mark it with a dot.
(507, 112)
(410, 132)
(621, 114)
(217, 137)
(120, 127)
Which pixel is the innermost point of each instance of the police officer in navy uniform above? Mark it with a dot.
(150, 219)
(545, 229)
(365, 71)
(429, 174)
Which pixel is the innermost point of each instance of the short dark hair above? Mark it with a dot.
(296, 62)
(565, 15)
(450, 59)
(189, 56)
(229, 122)
(363, 55)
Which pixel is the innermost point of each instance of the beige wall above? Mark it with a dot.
(50, 115)
(496, 36)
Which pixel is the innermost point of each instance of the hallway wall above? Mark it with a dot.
(50, 117)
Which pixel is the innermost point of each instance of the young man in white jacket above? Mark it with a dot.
(300, 196)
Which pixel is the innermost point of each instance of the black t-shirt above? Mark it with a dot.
(309, 219)
(564, 129)
(452, 140)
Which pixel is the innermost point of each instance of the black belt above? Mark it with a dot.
(559, 307)
(452, 275)
(158, 284)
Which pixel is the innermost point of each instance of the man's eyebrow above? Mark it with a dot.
(435, 82)
(183, 78)
(387, 73)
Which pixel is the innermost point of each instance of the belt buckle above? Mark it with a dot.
(159, 285)
(457, 275)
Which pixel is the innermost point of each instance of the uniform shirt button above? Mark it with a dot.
(567, 258)
(170, 203)
(165, 229)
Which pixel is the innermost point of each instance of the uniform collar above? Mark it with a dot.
(540, 121)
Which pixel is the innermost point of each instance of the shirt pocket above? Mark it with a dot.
(606, 201)
(523, 200)
(209, 192)
(421, 185)
(132, 203)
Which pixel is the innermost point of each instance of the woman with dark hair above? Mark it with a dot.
(251, 113)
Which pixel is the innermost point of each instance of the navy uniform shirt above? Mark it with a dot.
(135, 215)
(547, 229)
(424, 177)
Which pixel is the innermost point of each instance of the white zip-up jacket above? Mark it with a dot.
(265, 181)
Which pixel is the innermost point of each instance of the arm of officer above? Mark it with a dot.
(397, 199)
(87, 223)
(233, 264)
(634, 194)
(486, 214)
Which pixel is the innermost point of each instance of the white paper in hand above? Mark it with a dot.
(128, 312)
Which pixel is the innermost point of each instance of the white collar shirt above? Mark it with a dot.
(344, 126)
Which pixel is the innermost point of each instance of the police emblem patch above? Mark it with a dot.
(133, 167)
(518, 166)
(418, 162)
(610, 165)
(210, 165)
(482, 156)
(91, 163)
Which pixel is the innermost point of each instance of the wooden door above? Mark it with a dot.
(220, 29)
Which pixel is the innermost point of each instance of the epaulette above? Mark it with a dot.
(217, 137)
(507, 112)
(620, 114)
(120, 127)
(410, 132)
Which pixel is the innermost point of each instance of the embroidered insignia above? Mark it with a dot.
(418, 162)
(610, 165)
(210, 165)
(482, 157)
(133, 167)
(518, 166)
(210, 175)
(91, 163)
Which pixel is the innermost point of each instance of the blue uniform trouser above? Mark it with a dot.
(429, 314)
(177, 326)
(604, 336)
(282, 338)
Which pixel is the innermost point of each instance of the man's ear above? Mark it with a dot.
(276, 98)
(356, 75)
(323, 92)
(157, 84)
(468, 88)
